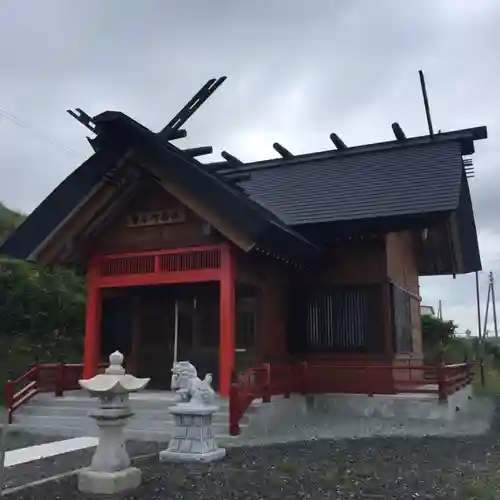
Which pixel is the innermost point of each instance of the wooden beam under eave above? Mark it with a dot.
(202, 210)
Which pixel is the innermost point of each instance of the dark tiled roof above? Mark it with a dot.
(118, 134)
(467, 230)
(58, 205)
(417, 176)
(336, 187)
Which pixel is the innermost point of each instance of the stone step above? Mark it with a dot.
(44, 404)
(71, 411)
(159, 436)
(145, 417)
(68, 416)
(86, 422)
(87, 403)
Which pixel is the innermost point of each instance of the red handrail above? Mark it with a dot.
(457, 376)
(327, 376)
(247, 386)
(46, 377)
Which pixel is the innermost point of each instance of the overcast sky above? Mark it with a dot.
(297, 71)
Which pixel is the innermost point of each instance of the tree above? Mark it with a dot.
(435, 330)
(9, 220)
(42, 309)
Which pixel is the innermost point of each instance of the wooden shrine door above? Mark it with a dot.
(155, 339)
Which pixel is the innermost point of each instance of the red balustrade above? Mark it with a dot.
(327, 376)
(46, 377)
(247, 386)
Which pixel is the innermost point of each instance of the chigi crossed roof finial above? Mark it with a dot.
(190, 108)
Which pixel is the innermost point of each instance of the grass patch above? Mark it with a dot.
(491, 379)
(287, 467)
(349, 478)
(481, 488)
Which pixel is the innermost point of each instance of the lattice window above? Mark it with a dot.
(344, 319)
(190, 261)
(119, 266)
(164, 263)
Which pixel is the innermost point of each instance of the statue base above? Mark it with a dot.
(108, 483)
(193, 438)
(177, 456)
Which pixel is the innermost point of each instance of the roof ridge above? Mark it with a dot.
(469, 135)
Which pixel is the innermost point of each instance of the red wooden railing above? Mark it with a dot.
(47, 377)
(452, 378)
(320, 377)
(247, 386)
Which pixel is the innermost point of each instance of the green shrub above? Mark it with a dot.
(42, 311)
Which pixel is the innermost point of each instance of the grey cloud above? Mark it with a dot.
(351, 64)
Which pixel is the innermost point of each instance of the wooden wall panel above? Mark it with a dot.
(402, 262)
(272, 323)
(402, 269)
(353, 262)
(273, 280)
(121, 238)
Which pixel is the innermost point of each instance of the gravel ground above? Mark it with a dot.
(17, 439)
(460, 467)
(59, 464)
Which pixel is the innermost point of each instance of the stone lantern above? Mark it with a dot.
(193, 437)
(110, 471)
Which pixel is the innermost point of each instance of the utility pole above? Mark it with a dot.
(490, 298)
(478, 304)
(440, 311)
(494, 304)
(485, 325)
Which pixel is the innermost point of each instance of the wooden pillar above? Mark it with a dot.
(227, 319)
(388, 321)
(92, 347)
(136, 328)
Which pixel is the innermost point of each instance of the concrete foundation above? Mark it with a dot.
(341, 416)
(108, 483)
(404, 406)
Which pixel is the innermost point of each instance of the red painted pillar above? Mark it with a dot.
(92, 348)
(227, 319)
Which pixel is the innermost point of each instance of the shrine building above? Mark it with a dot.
(232, 264)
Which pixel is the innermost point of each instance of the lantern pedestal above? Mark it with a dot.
(109, 483)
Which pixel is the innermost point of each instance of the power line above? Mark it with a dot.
(41, 135)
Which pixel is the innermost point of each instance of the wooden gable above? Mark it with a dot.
(154, 219)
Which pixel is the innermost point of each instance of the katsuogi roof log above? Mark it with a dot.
(282, 150)
(398, 131)
(339, 143)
